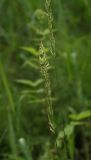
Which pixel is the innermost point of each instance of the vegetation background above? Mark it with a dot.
(24, 130)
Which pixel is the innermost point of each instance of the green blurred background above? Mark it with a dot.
(23, 23)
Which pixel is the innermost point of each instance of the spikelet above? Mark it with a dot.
(44, 66)
(50, 26)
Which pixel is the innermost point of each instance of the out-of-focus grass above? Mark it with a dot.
(21, 26)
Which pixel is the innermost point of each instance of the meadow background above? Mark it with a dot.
(24, 129)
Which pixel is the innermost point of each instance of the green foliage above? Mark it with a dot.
(81, 116)
(34, 86)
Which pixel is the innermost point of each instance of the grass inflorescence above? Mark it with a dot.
(44, 66)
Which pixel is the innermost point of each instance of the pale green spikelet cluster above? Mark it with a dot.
(44, 66)
(50, 26)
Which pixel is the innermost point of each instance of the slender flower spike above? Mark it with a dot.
(44, 66)
(50, 26)
(43, 57)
